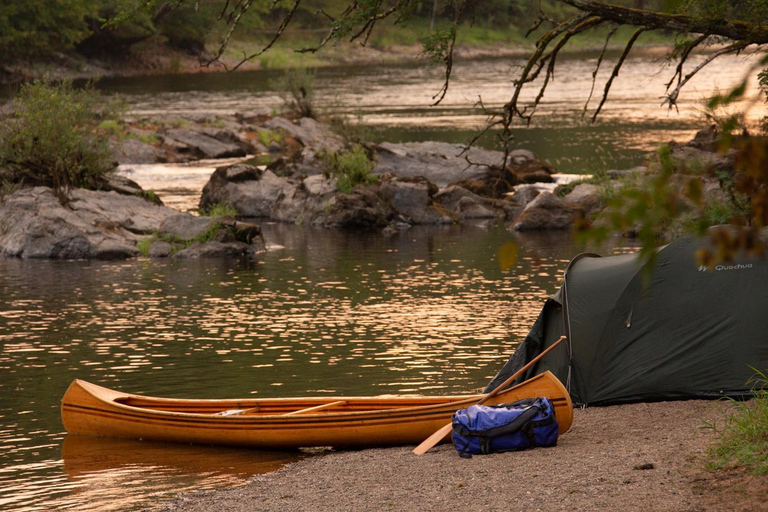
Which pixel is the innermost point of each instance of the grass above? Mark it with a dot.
(178, 244)
(743, 441)
(150, 195)
(268, 136)
(350, 168)
(600, 179)
(148, 138)
(220, 210)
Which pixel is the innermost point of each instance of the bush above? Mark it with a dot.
(53, 138)
(297, 90)
(351, 168)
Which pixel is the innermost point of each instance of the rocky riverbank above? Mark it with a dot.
(306, 172)
(291, 177)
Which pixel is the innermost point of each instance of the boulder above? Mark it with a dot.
(524, 195)
(521, 156)
(466, 204)
(209, 237)
(214, 249)
(319, 185)
(185, 227)
(36, 225)
(690, 159)
(363, 208)
(412, 199)
(134, 151)
(126, 186)
(532, 171)
(131, 213)
(103, 225)
(439, 162)
(546, 212)
(309, 132)
(251, 192)
(494, 185)
(203, 145)
(580, 192)
(586, 197)
(450, 196)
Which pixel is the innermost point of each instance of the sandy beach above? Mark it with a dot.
(637, 457)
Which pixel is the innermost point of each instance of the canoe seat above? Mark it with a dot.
(231, 412)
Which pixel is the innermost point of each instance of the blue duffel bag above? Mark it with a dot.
(481, 429)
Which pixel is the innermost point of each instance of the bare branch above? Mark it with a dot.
(458, 13)
(597, 69)
(684, 57)
(233, 20)
(616, 69)
(671, 98)
(581, 27)
(275, 37)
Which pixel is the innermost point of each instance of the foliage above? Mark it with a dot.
(642, 204)
(350, 168)
(267, 137)
(34, 26)
(743, 441)
(297, 90)
(61, 150)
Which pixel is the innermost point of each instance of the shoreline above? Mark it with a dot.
(160, 59)
(645, 456)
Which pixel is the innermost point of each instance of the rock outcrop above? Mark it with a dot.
(105, 225)
(547, 211)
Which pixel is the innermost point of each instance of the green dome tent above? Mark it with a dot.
(689, 332)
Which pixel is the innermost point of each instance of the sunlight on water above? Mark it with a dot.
(426, 311)
(395, 101)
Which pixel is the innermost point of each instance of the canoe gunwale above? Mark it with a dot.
(114, 399)
(89, 409)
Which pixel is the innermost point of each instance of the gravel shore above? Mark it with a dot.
(647, 457)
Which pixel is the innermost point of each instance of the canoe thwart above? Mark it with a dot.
(276, 423)
(316, 408)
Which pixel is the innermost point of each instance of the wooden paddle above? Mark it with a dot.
(435, 438)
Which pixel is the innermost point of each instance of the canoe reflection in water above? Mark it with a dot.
(128, 471)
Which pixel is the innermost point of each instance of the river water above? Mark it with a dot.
(428, 310)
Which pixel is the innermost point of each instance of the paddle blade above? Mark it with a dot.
(432, 440)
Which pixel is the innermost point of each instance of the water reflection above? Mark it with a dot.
(396, 100)
(146, 472)
(427, 310)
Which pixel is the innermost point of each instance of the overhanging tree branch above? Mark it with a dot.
(731, 29)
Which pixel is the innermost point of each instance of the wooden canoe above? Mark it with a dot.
(89, 409)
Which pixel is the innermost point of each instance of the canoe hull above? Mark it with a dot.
(88, 409)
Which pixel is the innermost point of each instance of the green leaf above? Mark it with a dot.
(507, 255)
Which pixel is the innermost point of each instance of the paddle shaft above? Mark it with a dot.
(518, 373)
(435, 438)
